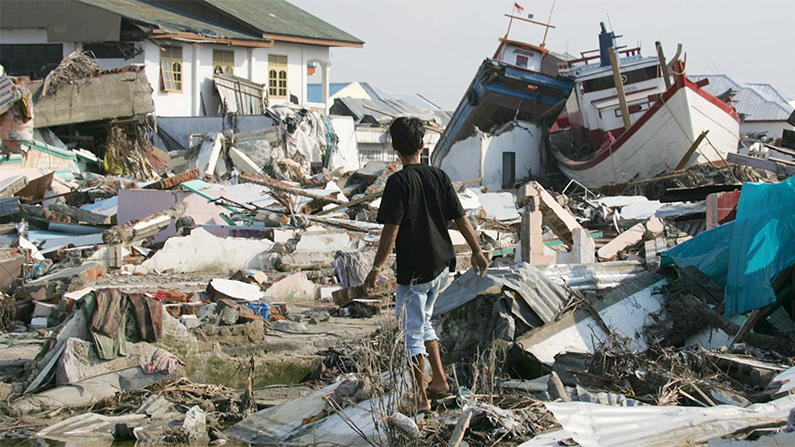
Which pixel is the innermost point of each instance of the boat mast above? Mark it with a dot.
(546, 31)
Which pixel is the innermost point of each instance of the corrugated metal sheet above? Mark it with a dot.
(594, 425)
(542, 295)
(758, 102)
(383, 111)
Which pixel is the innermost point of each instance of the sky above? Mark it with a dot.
(434, 47)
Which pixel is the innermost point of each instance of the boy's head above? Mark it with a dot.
(407, 134)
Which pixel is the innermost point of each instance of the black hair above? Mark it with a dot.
(407, 134)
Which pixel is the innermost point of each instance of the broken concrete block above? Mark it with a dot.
(583, 249)
(382, 291)
(228, 313)
(203, 252)
(721, 208)
(291, 289)
(629, 237)
(654, 227)
(306, 260)
(189, 321)
(243, 163)
(560, 221)
(67, 280)
(234, 290)
(532, 245)
(326, 241)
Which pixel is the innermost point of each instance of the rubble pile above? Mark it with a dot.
(168, 290)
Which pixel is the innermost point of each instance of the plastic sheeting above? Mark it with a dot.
(746, 254)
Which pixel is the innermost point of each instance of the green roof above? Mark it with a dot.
(167, 19)
(282, 18)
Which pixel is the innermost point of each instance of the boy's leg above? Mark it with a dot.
(409, 308)
(438, 383)
(418, 373)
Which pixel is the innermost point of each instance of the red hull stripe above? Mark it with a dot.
(604, 153)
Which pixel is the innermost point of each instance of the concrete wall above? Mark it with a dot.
(467, 156)
(347, 155)
(525, 141)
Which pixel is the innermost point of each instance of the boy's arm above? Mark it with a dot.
(479, 261)
(388, 236)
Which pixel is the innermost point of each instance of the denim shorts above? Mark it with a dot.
(414, 309)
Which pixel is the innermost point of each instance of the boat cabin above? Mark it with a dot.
(594, 105)
(520, 54)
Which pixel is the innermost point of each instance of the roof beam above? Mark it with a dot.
(197, 38)
(311, 41)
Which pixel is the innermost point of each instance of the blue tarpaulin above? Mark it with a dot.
(745, 255)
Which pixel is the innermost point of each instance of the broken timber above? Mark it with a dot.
(139, 229)
(274, 185)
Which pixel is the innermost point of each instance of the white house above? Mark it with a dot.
(762, 107)
(181, 44)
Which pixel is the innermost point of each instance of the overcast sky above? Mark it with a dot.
(434, 47)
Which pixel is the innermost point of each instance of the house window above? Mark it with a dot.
(223, 62)
(277, 76)
(425, 156)
(171, 69)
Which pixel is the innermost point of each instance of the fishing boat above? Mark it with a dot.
(632, 117)
(519, 83)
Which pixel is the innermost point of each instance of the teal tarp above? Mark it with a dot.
(746, 254)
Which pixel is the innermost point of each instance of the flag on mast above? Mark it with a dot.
(518, 8)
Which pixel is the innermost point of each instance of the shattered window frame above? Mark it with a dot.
(171, 69)
(224, 62)
(277, 76)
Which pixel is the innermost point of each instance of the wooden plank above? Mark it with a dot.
(749, 324)
(758, 163)
(274, 185)
(460, 429)
(691, 150)
(359, 201)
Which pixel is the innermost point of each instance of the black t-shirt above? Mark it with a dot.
(421, 199)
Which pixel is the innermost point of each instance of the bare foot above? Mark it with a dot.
(440, 387)
(426, 406)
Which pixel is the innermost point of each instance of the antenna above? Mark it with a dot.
(609, 22)
(549, 20)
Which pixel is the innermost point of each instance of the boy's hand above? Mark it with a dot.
(480, 263)
(372, 277)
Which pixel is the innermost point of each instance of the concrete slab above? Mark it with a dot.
(203, 252)
(292, 289)
(629, 237)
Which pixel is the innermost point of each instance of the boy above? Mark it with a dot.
(418, 202)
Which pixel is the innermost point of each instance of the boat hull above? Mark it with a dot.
(498, 94)
(660, 139)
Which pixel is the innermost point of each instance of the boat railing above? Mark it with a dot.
(565, 65)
